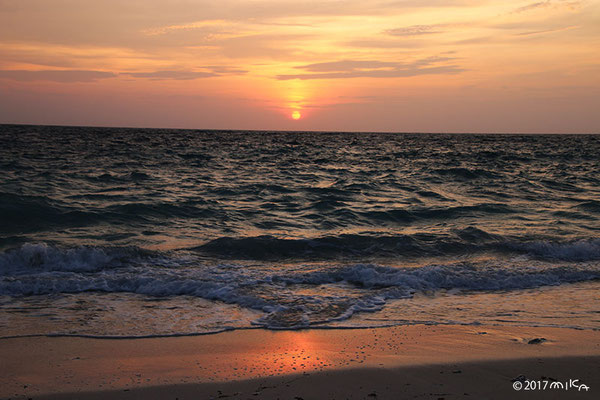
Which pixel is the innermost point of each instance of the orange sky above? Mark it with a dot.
(393, 65)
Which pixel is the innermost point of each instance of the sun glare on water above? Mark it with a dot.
(296, 115)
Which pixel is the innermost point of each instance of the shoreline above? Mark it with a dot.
(236, 361)
(261, 328)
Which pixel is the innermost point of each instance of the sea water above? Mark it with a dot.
(112, 232)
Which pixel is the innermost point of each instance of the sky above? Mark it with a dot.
(343, 65)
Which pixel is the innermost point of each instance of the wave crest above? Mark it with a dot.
(39, 257)
(289, 296)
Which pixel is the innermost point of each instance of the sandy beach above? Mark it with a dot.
(387, 363)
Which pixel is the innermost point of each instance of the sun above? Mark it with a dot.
(296, 115)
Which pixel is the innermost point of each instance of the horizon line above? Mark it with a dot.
(296, 131)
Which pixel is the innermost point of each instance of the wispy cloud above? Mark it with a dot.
(344, 69)
(531, 6)
(541, 32)
(184, 75)
(63, 76)
(214, 23)
(222, 70)
(414, 30)
(69, 76)
(382, 44)
(176, 75)
(347, 65)
(546, 4)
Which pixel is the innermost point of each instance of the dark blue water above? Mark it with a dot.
(286, 230)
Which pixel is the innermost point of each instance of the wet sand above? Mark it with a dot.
(386, 363)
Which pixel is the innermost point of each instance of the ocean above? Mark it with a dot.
(114, 232)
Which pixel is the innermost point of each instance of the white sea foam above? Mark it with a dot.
(582, 250)
(32, 257)
(290, 297)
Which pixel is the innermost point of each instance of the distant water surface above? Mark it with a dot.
(141, 232)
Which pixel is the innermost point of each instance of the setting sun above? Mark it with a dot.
(296, 115)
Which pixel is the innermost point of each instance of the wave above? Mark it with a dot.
(582, 250)
(328, 247)
(22, 213)
(40, 257)
(279, 209)
(290, 297)
(336, 208)
(135, 211)
(591, 206)
(467, 173)
(466, 241)
(127, 177)
(350, 247)
(464, 276)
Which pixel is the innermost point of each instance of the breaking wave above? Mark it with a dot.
(290, 297)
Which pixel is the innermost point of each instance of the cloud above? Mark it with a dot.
(64, 76)
(531, 6)
(383, 44)
(152, 24)
(221, 69)
(540, 32)
(184, 75)
(218, 23)
(477, 40)
(408, 37)
(346, 65)
(414, 30)
(395, 73)
(572, 5)
(175, 75)
(373, 69)
(69, 76)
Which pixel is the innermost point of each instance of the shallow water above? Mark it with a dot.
(121, 232)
